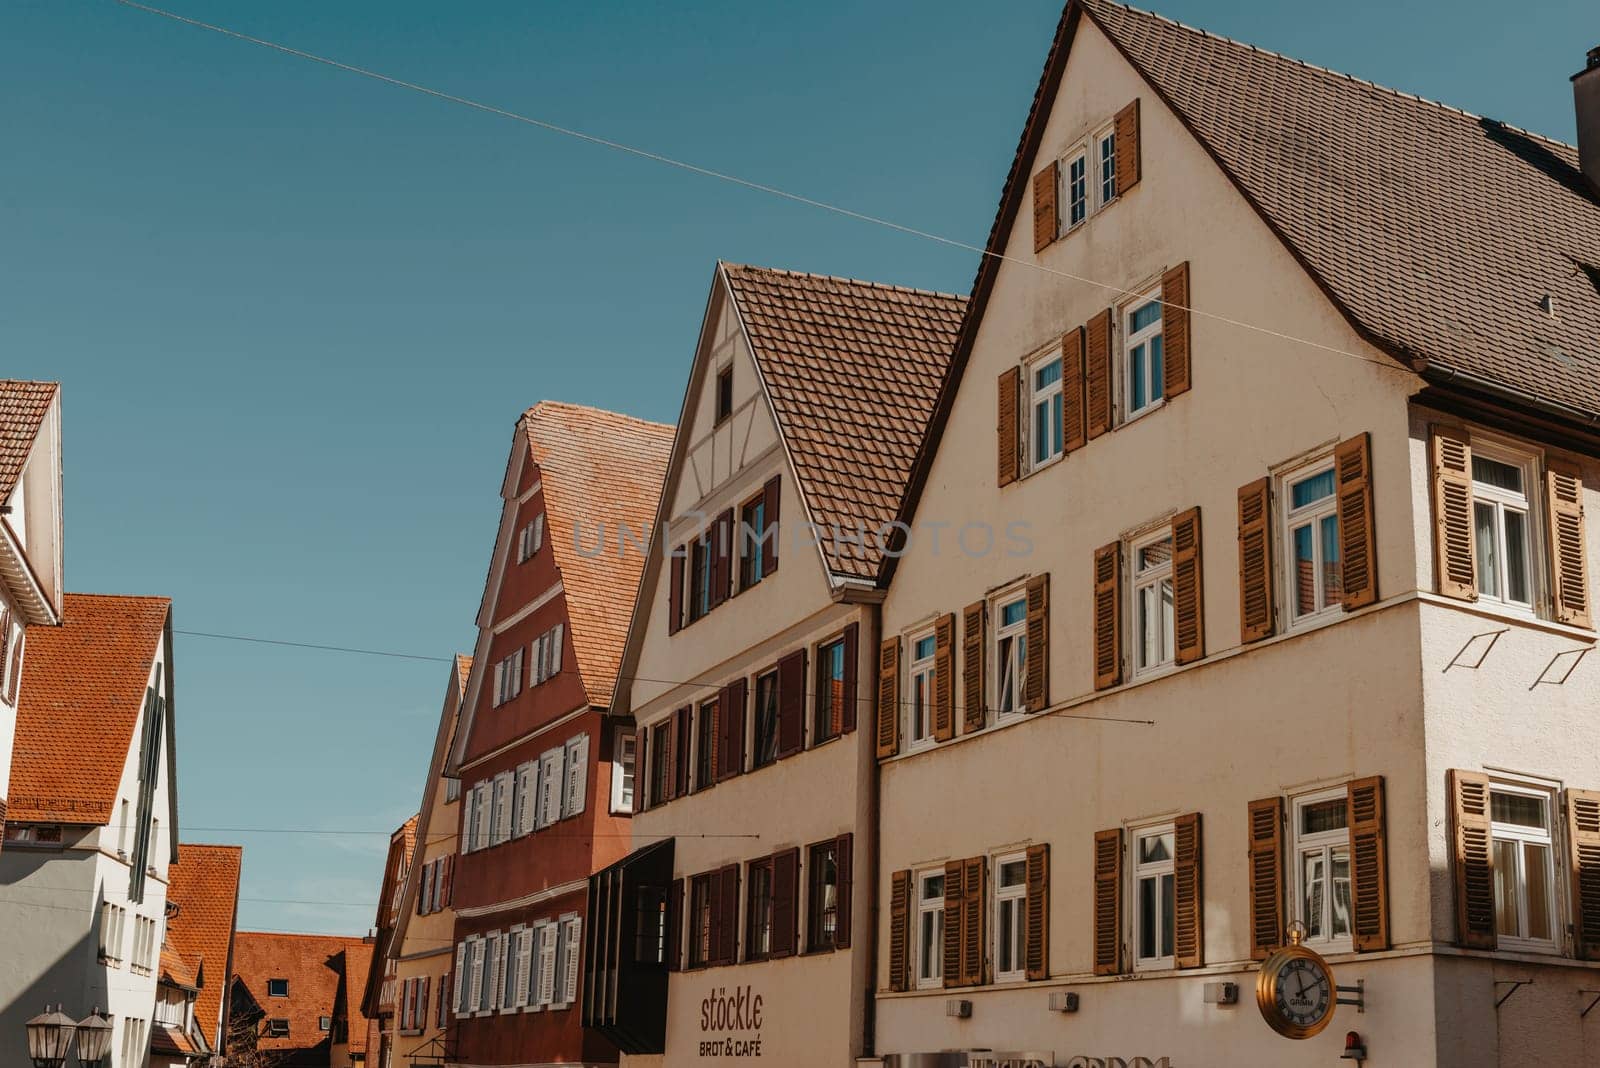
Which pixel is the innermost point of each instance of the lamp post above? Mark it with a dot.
(94, 1039)
(49, 1038)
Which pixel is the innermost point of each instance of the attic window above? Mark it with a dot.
(277, 1027)
(724, 393)
(277, 988)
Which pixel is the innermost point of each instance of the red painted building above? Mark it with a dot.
(546, 775)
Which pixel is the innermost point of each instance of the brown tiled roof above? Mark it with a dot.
(314, 966)
(174, 969)
(357, 963)
(853, 370)
(170, 1040)
(204, 884)
(82, 694)
(463, 671)
(597, 467)
(22, 410)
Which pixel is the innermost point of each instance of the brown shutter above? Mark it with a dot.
(1583, 843)
(675, 595)
(1072, 400)
(1255, 561)
(1097, 375)
(1473, 859)
(1569, 569)
(447, 895)
(675, 926)
(852, 669)
(1036, 945)
(727, 950)
(722, 555)
(769, 547)
(1128, 147)
(730, 722)
(1266, 876)
(973, 914)
(785, 902)
(944, 681)
(1188, 589)
(1455, 551)
(844, 863)
(1175, 363)
(1358, 542)
(888, 698)
(899, 929)
(1007, 443)
(641, 764)
(1108, 615)
(1036, 672)
(1044, 207)
(954, 899)
(1107, 902)
(973, 656)
(669, 761)
(1369, 865)
(792, 703)
(683, 723)
(1188, 896)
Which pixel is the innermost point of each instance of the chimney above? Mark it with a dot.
(1586, 94)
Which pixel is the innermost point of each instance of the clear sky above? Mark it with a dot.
(296, 313)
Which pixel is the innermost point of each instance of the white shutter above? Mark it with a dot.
(527, 795)
(461, 970)
(503, 785)
(536, 650)
(577, 775)
(550, 785)
(574, 932)
(547, 963)
(438, 889)
(481, 834)
(499, 684)
(497, 972)
(474, 984)
(555, 651)
(538, 531)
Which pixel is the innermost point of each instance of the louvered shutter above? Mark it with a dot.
(1036, 672)
(1188, 897)
(422, 1007)
(573, 929)
(448, 894)
(785, 902)
(675, 594)
(1108, 616)
(1352, 462)
(669, 771)
(1569, 568)
(899, 929)
(1107, 902)
(577, 776)
(974, 650)
(728, 946)
(461, 961)
(1097, 375)
(769, 548)
(1455, 552)
(944, 683)
(683, 723)
(954, 899)
(1007, 439)
(731, 712)
(1127, 127)
(424, 885)
(1036, 944)
(1255, 561)
(973, 915)
(675, 926)
(1583, 850)
(852, 671)
(722, 558)
(1045, 185)
(1369, 865)
(1266, 876)
(888, 698)
(1188, 589)
(792, 703)
(844, 865)
(1072, 398)
(1175, 362)
(1473, 859)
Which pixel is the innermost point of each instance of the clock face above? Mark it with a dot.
(1303, 992)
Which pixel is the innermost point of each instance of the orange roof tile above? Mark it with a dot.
(314, 965)
(357, 963)
(22, 410)
(174, 969)
(204, 885)
(82, 694)
(463, 671)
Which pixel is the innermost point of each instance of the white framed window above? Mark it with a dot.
(1153, 886)
(531, 539)
(1142, 356)
(1150, 559)
(930, 928)
(546, 989)
(1010, 651)
(1521, 827)
(527, 796)
(624, 757)
(1502, 523)
(508, 678)
(550, 786)
(1105, 154)
(919, 709)
(1314, 582)
(547, 654)
(577, 777)
(1044, 410)
(1075, 188)
(1320, 879)
(1010, 917)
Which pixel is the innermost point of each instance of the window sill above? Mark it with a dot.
(1042, 466)
(1499, 611)
(1129, 420)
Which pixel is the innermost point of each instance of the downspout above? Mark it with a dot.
(867, 735)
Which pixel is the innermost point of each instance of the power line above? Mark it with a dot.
(312, 645)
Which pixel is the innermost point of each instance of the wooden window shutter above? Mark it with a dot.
(1369, 865)
(683, 721)
(1583, 845)
(1072, 400)
(727, 946)
(769, 548)
(1352, 463)
(1455, 550)
(1569, 570)
(722, 553)
(669, 760)
(785, 902)
(1473, 859)
(1188, 896)
(1045, 185)
(1188, 589)
(1266, 876)
(675, 926)
(899, 929)
(844, 863)
(973, 915)
(447, 895)
(792, 703)
(1036, 945)
(1128, 168)
(1007, 439)
(1097, 375)
(1255, 561)
(1108, 616)
(888, 698)
(1036, 672)
(730, 721)
(675, 595)
(847, 710)
(974, 654)
(1175, 367)
(641, 763)
(954, 899)
(944, 680)
(1107, 902)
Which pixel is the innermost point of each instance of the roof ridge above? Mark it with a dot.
(576, 407)
(121, 596)
(1358, 80)
(305, 934)
(844, 278)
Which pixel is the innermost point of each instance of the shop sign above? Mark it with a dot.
(1119, 1062)
(730, 1022)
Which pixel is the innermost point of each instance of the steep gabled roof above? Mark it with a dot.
(83, 689)
(204, 885)
(852, 369)
(23, 406)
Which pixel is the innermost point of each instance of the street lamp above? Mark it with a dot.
(49, 1038)
(94, 1039)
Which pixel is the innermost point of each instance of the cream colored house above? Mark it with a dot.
(740, 927)
(1252, 624)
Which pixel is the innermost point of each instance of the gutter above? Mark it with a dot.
(1442, 375)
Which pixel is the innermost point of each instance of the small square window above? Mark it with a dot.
(724, 394)
(277, 1027)
(324, 1023)
(277, 988)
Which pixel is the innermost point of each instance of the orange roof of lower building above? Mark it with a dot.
(204, 885)
(313, 965)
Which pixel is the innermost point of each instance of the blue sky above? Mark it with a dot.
(296, 313)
